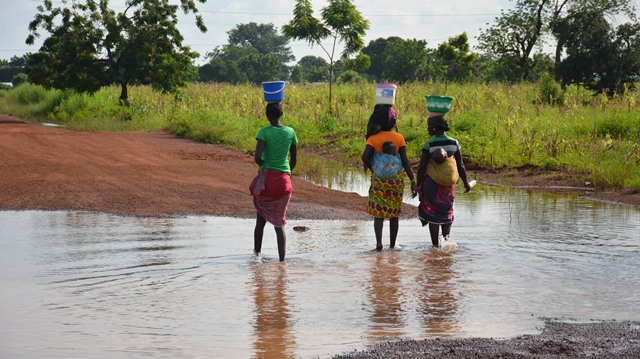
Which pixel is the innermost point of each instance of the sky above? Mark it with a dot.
(433, 21)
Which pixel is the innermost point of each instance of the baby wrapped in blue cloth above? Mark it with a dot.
(386, 164)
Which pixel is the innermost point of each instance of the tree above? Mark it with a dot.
(266, 40)
(341, 22)
(560, 9)
(249, 56)
(359, 63)
(91, 46)
(240, 63)
(516, 32)
(350, 76)
(262, 37)
(221, 71)
(404, 60)
(19, 79)
(313, 69)
(512, 39)
(600, 57)
(375, 51)
(260, 67)
(455, 56)
(9, 69)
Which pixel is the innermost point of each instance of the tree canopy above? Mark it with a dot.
(456, 58)
(508, 44)
(404, 60)
(91, 46)
(262, 37)
(254, 53)
(341, 22)
(12, 67)
(599, 56)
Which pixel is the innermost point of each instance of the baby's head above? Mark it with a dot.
(439, 155)
(389, 147)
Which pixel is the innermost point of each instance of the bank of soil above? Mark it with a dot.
(158, 174)
(143, 174)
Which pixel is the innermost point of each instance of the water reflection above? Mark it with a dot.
(273, 329)
(438, 301)
(97, 285)
(386, 296)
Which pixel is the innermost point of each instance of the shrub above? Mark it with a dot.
(549, 90)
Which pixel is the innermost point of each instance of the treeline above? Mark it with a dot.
(595, 44)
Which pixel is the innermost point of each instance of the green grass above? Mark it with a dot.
(500, 125)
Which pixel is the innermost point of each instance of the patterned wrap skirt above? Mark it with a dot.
(271, 192)
(436, 202)
(385, 196)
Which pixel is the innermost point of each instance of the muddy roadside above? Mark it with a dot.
(144, 174)
(558, 339)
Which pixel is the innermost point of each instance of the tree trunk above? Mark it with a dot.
(559, 47)
(124, 94)
(330, 87)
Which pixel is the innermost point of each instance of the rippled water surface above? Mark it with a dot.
(87, 285)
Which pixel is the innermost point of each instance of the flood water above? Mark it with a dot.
(87, 285)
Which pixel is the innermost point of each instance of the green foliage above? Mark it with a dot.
(549, 89)
(262, 37)
(341, 22)
(349, 76)
(19, 79)
(619, 126)
(469, 122)
(404, 60)
(375, 51)
(599, 56)
(497, 124)
(514, 35)
(12, 67)
(327, 123)
(310, 69)
(255, 53)
(91, 46)
(30, 101)
(456, 58)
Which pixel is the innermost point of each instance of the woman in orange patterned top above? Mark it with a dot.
(385, 194)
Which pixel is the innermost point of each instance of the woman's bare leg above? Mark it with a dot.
(282, 242)
(433, 231)
(378, 223)
(258, 233)
(393, 231)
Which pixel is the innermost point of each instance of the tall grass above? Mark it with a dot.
(499, 125)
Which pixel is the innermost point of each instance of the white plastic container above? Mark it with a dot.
(386, 94)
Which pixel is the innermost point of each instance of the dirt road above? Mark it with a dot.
(143, 174)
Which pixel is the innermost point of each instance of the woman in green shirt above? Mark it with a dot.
(276, 154)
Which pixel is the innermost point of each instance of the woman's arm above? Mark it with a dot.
(366, 157)
(462, 171)
(407, 168)
(257, 156)
(293, 156)
(422, 167)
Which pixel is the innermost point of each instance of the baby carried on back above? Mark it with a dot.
(386, 164)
